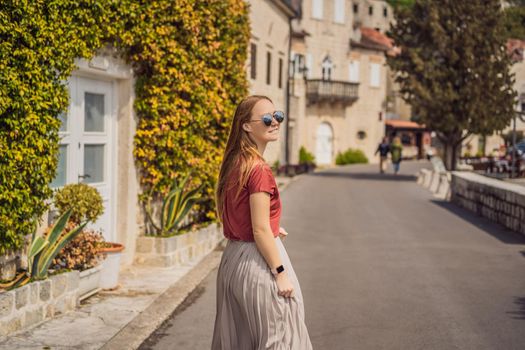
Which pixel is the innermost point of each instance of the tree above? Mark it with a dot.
(401, 3)
(453, 68)
(514, 19)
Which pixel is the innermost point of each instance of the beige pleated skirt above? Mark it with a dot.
(250, 314)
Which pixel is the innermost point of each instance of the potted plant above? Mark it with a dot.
(82, 253)
(111, 264)
(43, 249)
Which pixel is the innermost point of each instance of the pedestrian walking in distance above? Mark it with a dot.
(383, 150)
(396, 153)
(259, 300)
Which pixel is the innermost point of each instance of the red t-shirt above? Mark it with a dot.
(236, 218)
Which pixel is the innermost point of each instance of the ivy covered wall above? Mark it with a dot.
(188, 57)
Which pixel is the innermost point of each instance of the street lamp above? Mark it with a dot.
(521, 116)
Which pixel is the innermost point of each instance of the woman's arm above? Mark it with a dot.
(265, 241)
(262, 232)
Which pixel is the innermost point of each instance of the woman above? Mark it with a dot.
(396, 151)
(259, 300)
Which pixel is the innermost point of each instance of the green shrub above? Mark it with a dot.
(85, 202)
(305, 157)
(176, 205)
(351, 156)
(188, 57)
(39, 43)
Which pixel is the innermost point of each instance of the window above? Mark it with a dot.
(268, 67)
(353, 69)
(385, 11)
(370, 10)
(63, 121)
(374, 74)
(296, 64)
(280, 78)
(253, 61)
(356, 8)
(327, 68)
(61, 176)
(317, 9)
(309, 65)
(339, 11)
(94, 112)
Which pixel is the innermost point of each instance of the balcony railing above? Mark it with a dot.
(318, 90)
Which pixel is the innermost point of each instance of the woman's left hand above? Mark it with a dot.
(282, 233)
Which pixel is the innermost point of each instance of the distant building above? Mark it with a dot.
(375, 14)
(268, 60)
(338, 82)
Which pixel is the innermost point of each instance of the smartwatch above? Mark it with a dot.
(277, 270)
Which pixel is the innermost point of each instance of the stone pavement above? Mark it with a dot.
(102, 316)
(122, 318)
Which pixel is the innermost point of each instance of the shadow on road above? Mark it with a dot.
(492, 228)
(520, 313)
(365, 176)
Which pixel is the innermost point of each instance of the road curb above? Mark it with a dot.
(145, 323)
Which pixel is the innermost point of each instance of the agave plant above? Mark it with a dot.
(43, 250)
(175, 206)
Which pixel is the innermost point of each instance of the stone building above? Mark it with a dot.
(268, 60)
(376, 14)
(337, 83)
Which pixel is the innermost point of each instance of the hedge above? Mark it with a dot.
(188, 57)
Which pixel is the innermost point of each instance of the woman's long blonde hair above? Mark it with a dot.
(241, 151)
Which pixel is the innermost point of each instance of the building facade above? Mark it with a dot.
(268, 60)
(337, 83)
(376, 14)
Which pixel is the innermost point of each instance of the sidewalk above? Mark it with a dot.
(123, 318)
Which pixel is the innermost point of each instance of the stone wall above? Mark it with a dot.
(38, 301)
(438, 182)
(494, 199)
(179, 249)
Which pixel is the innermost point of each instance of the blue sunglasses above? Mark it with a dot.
(267, 118)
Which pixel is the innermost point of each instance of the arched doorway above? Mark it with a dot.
(324, 146)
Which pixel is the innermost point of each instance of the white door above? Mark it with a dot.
(87, 144)
(324, 144)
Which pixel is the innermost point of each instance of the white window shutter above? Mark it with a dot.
(317, 9)
(353, 69)
(309, 65)
(375, 74)
(293, 65)
(339, 11)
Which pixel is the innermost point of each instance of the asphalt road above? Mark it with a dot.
(384, 265)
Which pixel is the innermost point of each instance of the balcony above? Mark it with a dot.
(331, 91)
